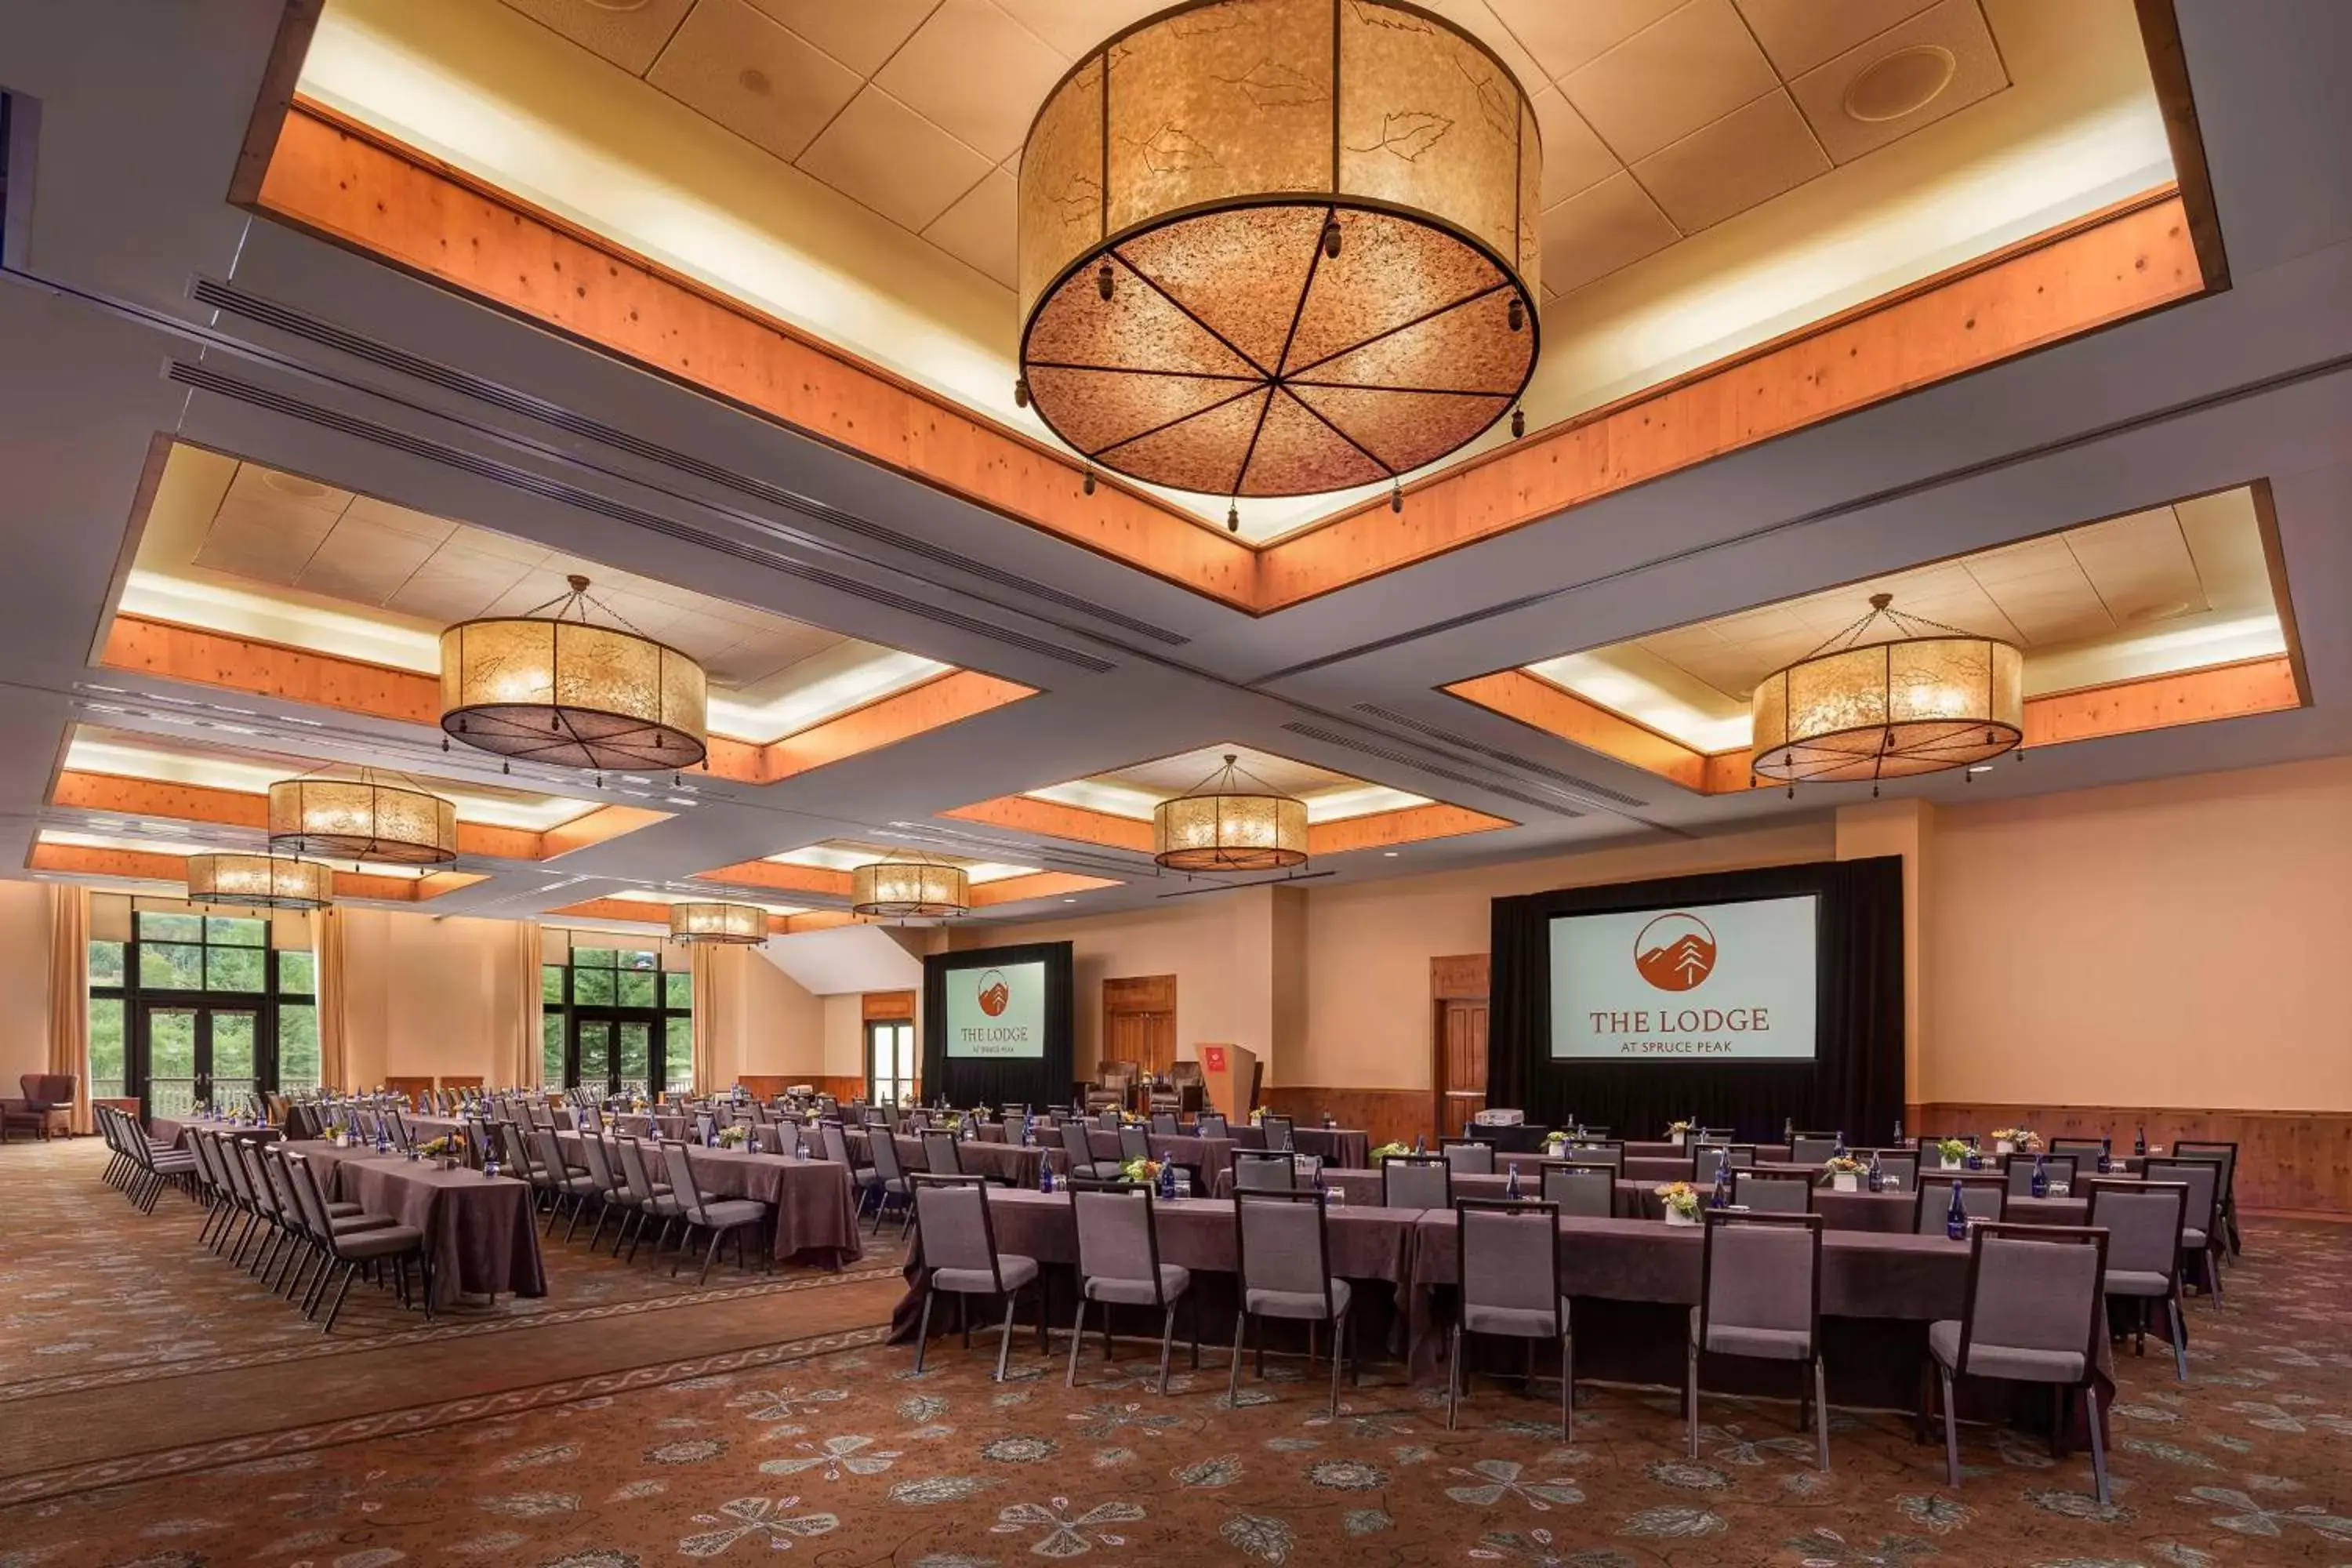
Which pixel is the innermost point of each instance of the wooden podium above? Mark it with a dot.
(1225, 1073)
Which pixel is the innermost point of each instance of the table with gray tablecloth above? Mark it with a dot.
(1349, 1146)
(813, 1209)
(174, 1131)
(481, 1231)
(1010, 1165)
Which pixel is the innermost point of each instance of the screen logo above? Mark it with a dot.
(994, 994)
(1674, 953)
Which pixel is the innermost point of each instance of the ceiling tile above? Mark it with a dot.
(880, 153)
(267, 488)
(1798, 35)
(860, 33)
(1750, 155)
(982, 229)
(1073, 26)
(761, 81)
(1595, 232)
(1477, 19)
(1689, 70)
(628, 37)
(1952, 35)
(366, 512)
(975, 73)
(365, 563)
(1573, 157)
(1563, 35)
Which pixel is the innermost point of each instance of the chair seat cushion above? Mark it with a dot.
(1173, 1278)
(2002, 1361)
(1297, 1304)
(726, 1212)
(662, 1204)
(346, 1224)
(583, 1182)
(1517, 1322)
(1016, 1270)
(380, 1243)
(340, 1211)
(1770, 1344)
(2192, 1238)
(2137, 1282)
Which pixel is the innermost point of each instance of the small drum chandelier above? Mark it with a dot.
(571, 692)
(908, 885)
(259, 882)
(1272, 247)
(1923, 698)
(735, 924)
(1219, 825)
(362, 818)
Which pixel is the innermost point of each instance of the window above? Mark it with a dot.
(297, 1019)
(109, 1066)
(890, 1055)
(614, 1017)
(146, 995)
(203, 953)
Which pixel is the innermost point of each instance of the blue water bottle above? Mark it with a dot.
(1722, 1197)
(2040, 1177)
(1046, 1176)
(2106, 1156)
(1167, 1181)
(1956, 1219)
(1877, 1176)
(1511, 1186)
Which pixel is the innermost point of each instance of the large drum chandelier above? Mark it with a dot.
(363, 818)
(904, 887)
(1222, 825)
(567, 691)
(259, 882)
(1922, 697)
(701, 921)
(1271, 248)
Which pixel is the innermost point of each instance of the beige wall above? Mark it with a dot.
(426, 997)
(23, 981)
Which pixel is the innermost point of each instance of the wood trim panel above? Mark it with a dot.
(598, 827)
(353, 185)
(1542, 705)
(2295, 1159)
(1388, 1115)
(249, 665)
(2168, 69)
(1462, 977)
(1407, 825)
(887, 1007)
(1035, 885)
(2054, 287)
(150, 866)
(783, 878)
(1139, 994)
(1026, 813)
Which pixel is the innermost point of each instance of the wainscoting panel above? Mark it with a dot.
(2286, 1159)
(1390, 1115)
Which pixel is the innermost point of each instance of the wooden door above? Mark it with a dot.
(1457, 988)
(1140, 1021)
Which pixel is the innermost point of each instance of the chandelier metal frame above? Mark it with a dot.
(291, 884)
(401, 824)
(718, 921)
(938, 890)
(1274, 825)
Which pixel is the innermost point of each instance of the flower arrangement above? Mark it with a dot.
(1677, 1128)
(1385, 1150)
(1257, 1116)
(1844, 1165)
(445, 1147)
(1953, 1150)
(1140, 1170)
(1681, 1200)
(733, 1137)
(2008, 1140)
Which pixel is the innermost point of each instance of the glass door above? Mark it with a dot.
(185, 1056)
(614, 1051)
(890, 1057)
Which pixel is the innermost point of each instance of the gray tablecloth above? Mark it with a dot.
(1007, 1163)
(815, 1208)
(478, 1230)
(175, 1131)
(1349, 1146)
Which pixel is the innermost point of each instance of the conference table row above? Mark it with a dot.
(1631, 1282)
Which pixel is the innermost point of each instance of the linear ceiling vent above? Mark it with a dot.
(1422, 763)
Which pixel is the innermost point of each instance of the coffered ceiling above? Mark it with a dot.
(449, 452)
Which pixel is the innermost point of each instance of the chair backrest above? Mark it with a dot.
(1416, 1182)
(1212, 1125)
(633, 1167)
(1257, 1171)
(548, 1153)
(705, 1126)
(1984, 1195)
(1281, 1244)
(1901, 1164)
(307, 1198)
(1705, 1160)
(882, 1148)
(2056, 1167)
(2203, 1180)
(1074, 1144)
(953, 1222)
(681, 1178)
(1108, 1119)
(835, 1143)
(1117, 1237)
(1589, 1190)
(511, 1137)
(2207, 1149)
(1278, 1132)
(598, 1158)
(1773, 1192)
(1760, 1271)
(2040, 1289)
(1508, 1255)
(1471, 1159)
(1134, 1143)
(50, 1087)
(1812, 1148)
(257, 1178)
(940, 1155)
(1164, 1124)
(2082, 1148)
(2143, 1221)
(1610, 1153)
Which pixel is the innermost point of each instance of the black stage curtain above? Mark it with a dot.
(1854, 1083)
(995, 1081)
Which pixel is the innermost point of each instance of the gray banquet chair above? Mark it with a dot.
(941, 1156)
(1164, 1124)
(1277, 1132)
(1903, 1165)
(1080, 1152)
(349, 1248)
(958, 1238)
(2225, 1197)
(651, 1199)
(2086, 1151)
(2143, 1221)
(1738, 1156)
(1283, 1251)
(2034, 1310)
(1212, 1125)
(1812, 1149)
(1589, 1190)
(889, 1178)
(1774, 1191)
(1507, 1257)
(566, 1185)
(2200, 1234)
(1604, 1151)
(2056, 1167)
(719, 1216)
(1416, 1182)
(1983, 1193)
(1118, 1264)
(1468, 1159)
(1134, 1143)
(1760, 1297)
(1256, 1170)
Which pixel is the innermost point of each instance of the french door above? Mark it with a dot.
(890, 1060)
(612, 1047)
(185, 1054)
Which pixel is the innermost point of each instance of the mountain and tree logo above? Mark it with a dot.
(1674, 951)
(994, 994)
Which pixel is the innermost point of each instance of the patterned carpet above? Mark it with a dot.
(843, 1454)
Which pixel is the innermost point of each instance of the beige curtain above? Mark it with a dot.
(70, 996)
(702, 963)
(334, 1000)
(520, 1064)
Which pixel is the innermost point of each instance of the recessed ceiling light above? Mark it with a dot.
(1904, 83)
(1069, 900)
(754, 80)
(1388, 853)
(618, 5)
(1981, 768)
(295, 484)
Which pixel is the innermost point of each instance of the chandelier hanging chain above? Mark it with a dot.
(580, 599)
(1220, 776)
(1882, 609)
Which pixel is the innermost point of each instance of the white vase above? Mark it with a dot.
(1951, 1163)
(1677, 1216)
(1843, 1181)
(2003, 1146)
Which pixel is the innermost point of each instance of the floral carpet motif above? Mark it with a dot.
(848, 1457)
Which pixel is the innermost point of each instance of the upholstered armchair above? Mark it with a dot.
(46, 1106)
(1114, 1086)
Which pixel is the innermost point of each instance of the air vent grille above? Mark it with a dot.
(1422, 764)
(1509, 759)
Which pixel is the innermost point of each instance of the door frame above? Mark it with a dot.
(656, 1019)
(138, 1042)
(1462, 977)
(1133, 995)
